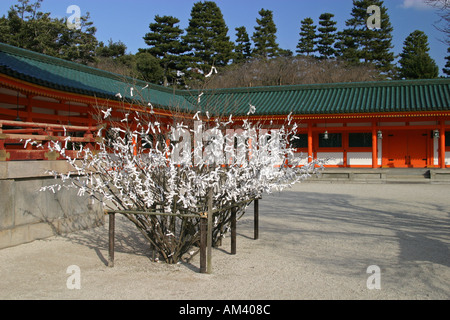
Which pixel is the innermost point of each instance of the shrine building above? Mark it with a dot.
(383, 124)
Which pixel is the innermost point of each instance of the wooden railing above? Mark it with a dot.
(30, 141)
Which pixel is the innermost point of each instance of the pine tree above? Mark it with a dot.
(207, 37)
(308, 37)
(327, 36)
(446, 69)
(113, 50)
(23, 25)
(165, 44)
(359, 44)
(80, 44)
(415, 61)
(149, 68)
(27, 27)
(264, 36)
(243, 49)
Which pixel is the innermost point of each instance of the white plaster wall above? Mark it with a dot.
(302, 156)
(380, 151)
(336, 158)
(436, 151)
(359, 158)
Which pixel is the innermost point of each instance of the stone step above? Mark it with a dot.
(384, 175)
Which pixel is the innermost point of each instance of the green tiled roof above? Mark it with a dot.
(341, 98)
(72, 77)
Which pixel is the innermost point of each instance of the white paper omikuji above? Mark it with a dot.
(132, 174)
(238, 163)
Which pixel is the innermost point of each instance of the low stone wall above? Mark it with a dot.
(27, 214)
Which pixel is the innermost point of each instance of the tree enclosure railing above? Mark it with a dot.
(205, 229)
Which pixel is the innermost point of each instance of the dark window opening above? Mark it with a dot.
(360, 140)
(299, 141)
(334, 140)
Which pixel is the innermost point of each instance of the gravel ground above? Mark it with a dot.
(316, 242)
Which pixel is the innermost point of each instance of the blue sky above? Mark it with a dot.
(128, 20)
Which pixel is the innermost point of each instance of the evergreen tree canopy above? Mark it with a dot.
(207, 37)
(149, 68)
(165, 44)
(79, 45)
(415, 61)
(359, 44)
(205, 43)
(112, 50)
(243, 48)
(446, 69)
(28, 28)
(326, 36)
(264, 36)
(308, 37)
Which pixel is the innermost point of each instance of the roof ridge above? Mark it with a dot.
(334, 85)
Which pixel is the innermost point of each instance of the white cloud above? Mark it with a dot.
(416, 4)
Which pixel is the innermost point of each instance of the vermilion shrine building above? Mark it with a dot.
(392, 124)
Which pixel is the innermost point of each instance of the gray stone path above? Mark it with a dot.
(317, 241)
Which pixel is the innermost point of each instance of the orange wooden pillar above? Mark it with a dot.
(374, 147)
(442, 145)
(310, 143)
(134, 142)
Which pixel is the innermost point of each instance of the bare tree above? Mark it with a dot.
(291, 71)
(443, 7)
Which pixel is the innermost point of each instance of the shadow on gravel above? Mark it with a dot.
(422, 231)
